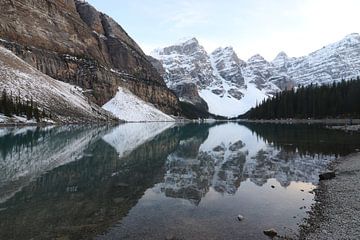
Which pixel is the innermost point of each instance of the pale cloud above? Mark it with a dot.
(188, 14)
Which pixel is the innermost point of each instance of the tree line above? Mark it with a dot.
(10, 106)
(339, 99)
(305, 139)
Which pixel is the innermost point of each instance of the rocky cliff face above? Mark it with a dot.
(231, 86)
(65, 103)
(71, 41)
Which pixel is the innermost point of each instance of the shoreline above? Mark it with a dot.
(342, 124)
(336, 212)
(330, 121)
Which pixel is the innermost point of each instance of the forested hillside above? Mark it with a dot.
(340, 99)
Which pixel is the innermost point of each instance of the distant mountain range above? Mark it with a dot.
(230, 86)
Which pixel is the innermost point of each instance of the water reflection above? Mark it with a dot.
(84, 197)
(28, 152)
(145, 180)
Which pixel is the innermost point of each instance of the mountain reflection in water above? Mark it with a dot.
(77, 182)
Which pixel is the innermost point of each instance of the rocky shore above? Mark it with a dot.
(348, 128)
(336, 214)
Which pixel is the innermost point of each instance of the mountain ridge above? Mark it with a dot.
(228, 76)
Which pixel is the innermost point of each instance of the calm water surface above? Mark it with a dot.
(161, 180)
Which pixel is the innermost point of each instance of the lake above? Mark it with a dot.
(162, 180)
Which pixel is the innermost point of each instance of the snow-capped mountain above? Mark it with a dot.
(219, 77)
(334, 62)
(231, 86)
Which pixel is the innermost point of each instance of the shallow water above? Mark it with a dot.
(161, 180)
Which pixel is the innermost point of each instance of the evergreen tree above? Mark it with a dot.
(341, 99)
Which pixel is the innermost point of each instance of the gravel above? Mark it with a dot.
(348, 128)
(336, 215)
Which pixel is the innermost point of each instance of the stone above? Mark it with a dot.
(240, 217)
(327, 176)
(270, 232)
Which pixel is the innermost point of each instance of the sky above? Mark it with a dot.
(265, 27)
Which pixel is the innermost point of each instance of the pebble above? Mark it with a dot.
(339, 204)
(327, 176)
(270, 232)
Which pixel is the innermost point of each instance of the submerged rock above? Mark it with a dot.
(327, 176)
(270, 232)
(240, 217)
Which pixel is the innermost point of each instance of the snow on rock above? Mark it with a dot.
(66, 102)
(334, 62)
(128, 107)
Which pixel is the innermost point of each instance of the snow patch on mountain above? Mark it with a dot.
(128, 107)
(226, 105)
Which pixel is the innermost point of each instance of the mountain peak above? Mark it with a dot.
(256, 58)
(280, 58)
(185, 46)
(223, 50)
(353, 37)
(282, 54)
(187, 41)
(227, 53)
